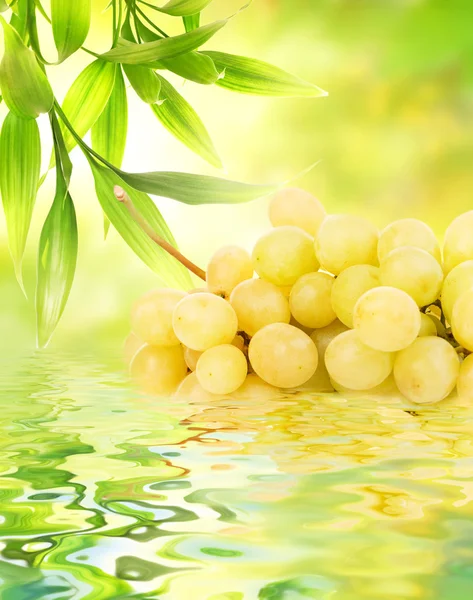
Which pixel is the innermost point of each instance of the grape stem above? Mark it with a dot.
(125, 199)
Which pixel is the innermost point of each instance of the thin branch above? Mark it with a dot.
(123, 197)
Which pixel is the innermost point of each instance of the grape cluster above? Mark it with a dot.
(336, 305)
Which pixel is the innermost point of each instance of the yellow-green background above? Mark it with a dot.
(395, 137)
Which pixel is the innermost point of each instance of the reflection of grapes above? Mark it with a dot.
(351, 326)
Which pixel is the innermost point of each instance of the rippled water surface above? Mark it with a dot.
(106, 494)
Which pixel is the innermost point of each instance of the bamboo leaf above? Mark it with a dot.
(183, 8)
(3, 6)
(163, 48)
(57, 259)
(169, 270)
(20, 161)
(87, 98)
(192, 65)
(178, 116)
(70, 22)
(144, 81)
(60, 148)
(196, 189)
(110, 130)
(191, 22)
(24, 86)
(251, 76)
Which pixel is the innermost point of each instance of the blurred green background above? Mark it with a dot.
(395, 137)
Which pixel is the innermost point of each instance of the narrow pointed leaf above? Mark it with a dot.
(70, 22)
(110, 130)
(144, 81)
(3, 6)
(192, 65)
(196, 189)
(19, 19)
(191, 22)
(60, 148)
(178, 116)
(24, 86)
(163, 48)
(251, 76)
(183, 8)
(87, 98)
(169, 270)
(57, 257)
(20, 161)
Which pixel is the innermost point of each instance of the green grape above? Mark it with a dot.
(190, 389)
(222, 369)
(349, 286)
(458, 242)
(354, 365)
(258, 303)
(310, 300)
(283, 255)
(228, 267)
(320, 380)
(204, 320)
(151, 317)
(408, 232)
(344, 241)
(459, 280)
(254, 388)
(462, 320)
(465, 379)
(293, 206)
(427, 325)
(158, 369)
(427, 370)
(415, 271)
(386, 319)
(131, 346)
(283, 355)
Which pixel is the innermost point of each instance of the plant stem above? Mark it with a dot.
(123, 197)
(145, 16)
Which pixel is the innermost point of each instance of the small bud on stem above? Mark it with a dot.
(123, 197)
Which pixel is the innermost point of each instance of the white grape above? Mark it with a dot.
(427, 370)
(131, 346)
(465, 379)
(459, 280)
(408, 232)
(458, 242)
(283, 255)
(158, 369)
(190, 389)
(191, 357)
(293, 206)
(283, 355)
(386, 319)
(349, 286)
(204, 320)
(254, 388)
(462, 320)
(413, 270)
(310, 300)
(151, 317)
(228, 267)
(354, 365)
(427, 325)
(258, 303)
(222, 369)
(344, 241)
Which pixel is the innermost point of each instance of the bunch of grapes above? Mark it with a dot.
(334, 305)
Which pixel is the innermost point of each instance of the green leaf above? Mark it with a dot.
(144, 81)
(191, 22)
(196, 189)
(3, 6)
(192, 65)
(164, 48)
(87, 98)
(251, 76)
(57, 257)
(60, 148)
(178, 116)
(110, 130)
(70, 22)
(183, 8)
(24, 86)
(20, 161)
(169, 270)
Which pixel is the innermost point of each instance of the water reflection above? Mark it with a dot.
(107, 494)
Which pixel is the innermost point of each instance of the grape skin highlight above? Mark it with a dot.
(349, 286)
(387, 319)
(283, 355)
(354, 365)
(293, 206)
(427, 370)
(310, 300)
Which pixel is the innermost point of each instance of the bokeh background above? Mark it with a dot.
(395, 138)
